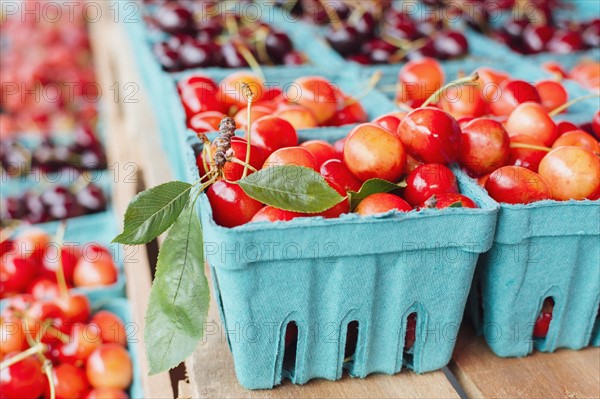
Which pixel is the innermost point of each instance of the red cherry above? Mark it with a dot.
(52, 259)
(542, 324)
(446, 200)
(234, 171)
(339, 147)
(336, 171)
(40, 313)
(43, 289)
(517, 185)
(351, 112)
(230, 204)
(578, 138)
(273, 133)
(381, 203)
(484, 146)
(75, 307)
(390, 122)
(339, 209)
(419, 79)
(297, 156)
(321, 150)
(69, 382)
(109, 366)
(526, 157)
(23, 379)
(552, 93)
(84, 339)
(565, 126)
(511, 94)
(555, 69)
(531, 119)
(192, 80)
(32, 240)
(206, 122)
(112, 329)
(257, 112)
(596, 124)
(431, 135)
(107, 393)
(93, 270)
(411, 329)
(370, 152)
(201, 97)
(571, 173)
(315, 93)
(12, 335)
(271, 214)
(463, 102)
(16, 273)
(427, 180)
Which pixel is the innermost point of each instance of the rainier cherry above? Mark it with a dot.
(431, 135)
(418, 80)
(490, 82)
(336, 171)
(230, 204)
(75, 307)
(370, 152)
(484, 146)
(342, 207)
(381, 203)
(95, 268)
(23, 379)
(552, 93)
(321, 150)
(272, 214)
(427, 180)
(241, 117)
(517, 185)
(292, 156)
(30, 241)
(230, 89)
(352, 111)
(578, 138)
(107, 393)
(112, 329)
(273, 133)
(315, 93)
(529, 158)
(532, 119)
(511, 94)
(69, 382)
(571, 173)
(298, 116)
(109, 366)
(205, 122)
(390, 121)
(446, 200)
(465, 101)
(12, 335)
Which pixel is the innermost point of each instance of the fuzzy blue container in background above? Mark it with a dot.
(325, 273)
(544, 249)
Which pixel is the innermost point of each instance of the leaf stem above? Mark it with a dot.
(37, 348)
(566, 105)
(530, 147)
(435, 96)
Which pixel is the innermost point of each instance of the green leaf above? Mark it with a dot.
(457, 204)
(179, 298)
(372, 186)
(292, 188)
(151, 212)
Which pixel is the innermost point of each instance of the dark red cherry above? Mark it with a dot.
(591, 34)
(171, 17)
(344, 40)
(565, 42)
(450, 44)
(278, 45)
(536, 37)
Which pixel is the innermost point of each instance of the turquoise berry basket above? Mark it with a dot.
(540, 250)
(323, 274)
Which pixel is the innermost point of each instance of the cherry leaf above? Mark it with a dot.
(372, 186)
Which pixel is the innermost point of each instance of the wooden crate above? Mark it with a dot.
(474, 370)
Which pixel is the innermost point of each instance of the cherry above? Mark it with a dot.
(201, 96)
(450, 44)
(571, 173)
(565, 42)
(344, 39)
(565, 126)
(542, 324)
(591, 34)
(167, 57)
(517, 185)
(195, 54)
(30, 241)
(23, 379)
(173, 18)
(370, 152)
(230, 204)
(84, 339)
(339, 209)
(484, 146)
(555, 69)
(12, 335)
(61, 203)
(490, 83)
(382, 203)
(107, 393)
(53, 258)
(298, 116)
(321, 150)
(93, 271)
(295, 58)
(40, 313)
(463, 102)
(339, 146)
(69, 382)
(109, 366)
(351, 112)
(526, 157)
(427, 180)
(231, 93)
(75, 307)
(596, 124)
(431, 135)
(531, 119)
(375, 51)
(335, 170)
(419, 79)
(272, 214)
(452, 200)
(233, 171)
(91, 198)
(536, 38)
(272, 133)
(390, 122)
(205, 122)
(513, 93)
(315, 93)
(578, 138)
(552, 93)
(411, 329)
(43, 289)
(278, 45)
(257, 111)
(365, 25)
(112, 329)
(298, 156)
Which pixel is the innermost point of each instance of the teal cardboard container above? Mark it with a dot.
(540, 250)
(323, 274)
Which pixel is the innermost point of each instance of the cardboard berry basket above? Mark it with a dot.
(543, 249)
(97, 228)
(323, 274)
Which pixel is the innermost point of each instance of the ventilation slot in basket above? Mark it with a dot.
(351, 342)
(595, 337)
(410, 338)
(542, 322)
(291, 347)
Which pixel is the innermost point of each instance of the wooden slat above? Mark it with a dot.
(563, 374)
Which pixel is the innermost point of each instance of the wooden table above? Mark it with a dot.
(474, 370)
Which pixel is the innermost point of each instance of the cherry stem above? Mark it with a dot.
(333, 16)
(251, 60)
(373, 80)
(249, 96)
(244, 164)
(37, 348)
(566, 105)
(466, 80)
(60, 272)
(48, 371)
(530, 147)
(261, 45)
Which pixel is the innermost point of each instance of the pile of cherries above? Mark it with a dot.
(308, 102)
(56, 202)
(82, 355)
(373, 32)
(586, 73)
(50, 155)
(201, 38)
(30, 262)
(46, 69)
